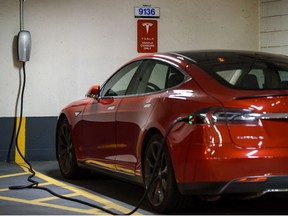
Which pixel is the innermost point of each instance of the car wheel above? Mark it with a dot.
(163, 195)
(65, 151)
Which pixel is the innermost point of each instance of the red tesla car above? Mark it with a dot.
(236, 142)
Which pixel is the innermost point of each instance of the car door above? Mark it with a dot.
(99, 127)
(134, 111)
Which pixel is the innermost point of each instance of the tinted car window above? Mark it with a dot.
(175, 77)
(244, 70)
(119, 83)
(284, 79)
(268, 77)
(157, 76)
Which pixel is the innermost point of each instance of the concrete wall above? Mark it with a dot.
(76, 44)
(274, 26)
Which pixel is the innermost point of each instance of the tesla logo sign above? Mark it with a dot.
(147, 25)
(147, 31)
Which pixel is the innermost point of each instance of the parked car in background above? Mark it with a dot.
(236, 144)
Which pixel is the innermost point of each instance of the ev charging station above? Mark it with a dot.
(180, 25)
(24, 38)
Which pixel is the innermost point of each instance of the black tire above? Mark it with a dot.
(163, 195)
(65, 151)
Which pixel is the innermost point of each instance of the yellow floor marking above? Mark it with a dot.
(4, 189)
(78, 191)
(13, 175)
(54, 197)
(84, 193)
(95, 211)
(44, 184)
(21, 140)
(9, 176)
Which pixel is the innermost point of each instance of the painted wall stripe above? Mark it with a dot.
(21, 140)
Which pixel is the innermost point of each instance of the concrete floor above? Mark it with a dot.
(38, 202)
(112, 194)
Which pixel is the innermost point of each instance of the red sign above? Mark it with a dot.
(147, 32)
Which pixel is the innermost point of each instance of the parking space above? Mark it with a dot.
(34, 201)
(109, 193)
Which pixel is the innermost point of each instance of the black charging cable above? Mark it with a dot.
(34, 184)
(187, 119)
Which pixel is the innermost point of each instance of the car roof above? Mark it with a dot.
(202, 56)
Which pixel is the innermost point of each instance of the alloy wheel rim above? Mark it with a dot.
(157, 190)
(65, 149)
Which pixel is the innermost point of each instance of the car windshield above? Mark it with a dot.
(245, 70)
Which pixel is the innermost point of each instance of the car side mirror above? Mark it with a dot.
(93, 92)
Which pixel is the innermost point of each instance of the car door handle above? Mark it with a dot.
(147, 105)
(111, 108)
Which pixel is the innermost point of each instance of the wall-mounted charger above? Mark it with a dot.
(24, 46)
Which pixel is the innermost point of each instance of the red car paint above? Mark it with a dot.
(111, 132)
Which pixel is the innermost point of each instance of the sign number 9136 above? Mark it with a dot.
(147, 12)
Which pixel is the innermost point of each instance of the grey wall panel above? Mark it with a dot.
(39, 138)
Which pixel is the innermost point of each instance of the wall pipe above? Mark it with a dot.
(21, 16)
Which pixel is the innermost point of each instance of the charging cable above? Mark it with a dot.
(34, 184)
(23, 57)
(189, 120)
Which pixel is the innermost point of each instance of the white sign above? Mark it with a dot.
(146, 12)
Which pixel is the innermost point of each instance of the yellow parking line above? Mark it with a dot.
(44, 184)
(4, 189)
(84, 193)
(54, 197)
(13, 175)
(80, 192)
(45, 199)
(72, 209)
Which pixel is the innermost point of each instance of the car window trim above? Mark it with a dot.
(169, 64)
(104, 84)
(138, 73)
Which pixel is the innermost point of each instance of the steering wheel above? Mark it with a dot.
(153, 86)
